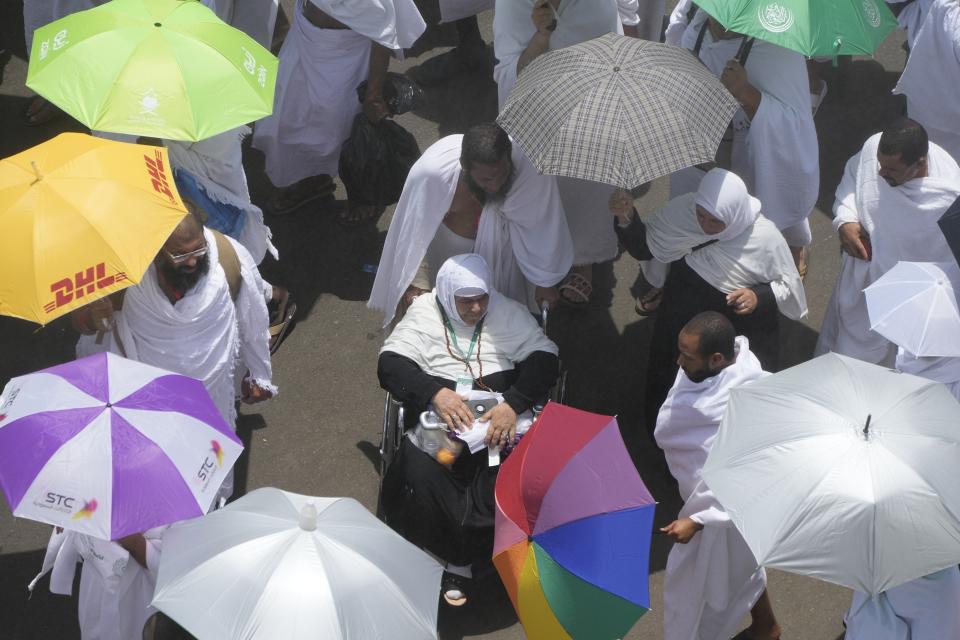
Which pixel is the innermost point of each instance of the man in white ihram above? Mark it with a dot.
(886, 210)
(712, 579)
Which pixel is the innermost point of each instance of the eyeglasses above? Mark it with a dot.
(183, 257)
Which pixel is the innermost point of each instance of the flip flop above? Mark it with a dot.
(289, 199)
(580, 286)
(649, 303)
(452, 588)
(280, 320)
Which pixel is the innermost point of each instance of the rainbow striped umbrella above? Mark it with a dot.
(573, 527)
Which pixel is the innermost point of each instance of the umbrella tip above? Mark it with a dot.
(308, 517)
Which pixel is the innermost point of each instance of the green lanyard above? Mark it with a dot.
(453, 334)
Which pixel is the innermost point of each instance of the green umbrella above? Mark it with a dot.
(812, 27)
(157, 68)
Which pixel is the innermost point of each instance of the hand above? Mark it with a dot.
(621, 206)
(411, 293)
(452, 409)
(744, 301)
(252, 393)
(734, 78)
(503, 425)
(101, 314)
(548, 295)
(682, 531)
(136, 545)
(543, 20)
(854, 240)
(375, 108)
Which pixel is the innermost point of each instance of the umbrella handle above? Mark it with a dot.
(744, 51)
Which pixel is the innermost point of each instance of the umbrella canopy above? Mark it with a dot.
(844, 471)
(812, 27)
(950, 227)
(573, 526)
(159, 68)
(82, 217)
(109, 447)
(275, 565)
(914, 305)
(617, 110)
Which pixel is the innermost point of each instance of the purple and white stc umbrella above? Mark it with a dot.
(108, 447)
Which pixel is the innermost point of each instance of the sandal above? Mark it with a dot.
(280, 318)
(40, 111)
(359, 215)
(452, 588)
(801, 257)
(289, 199)
(579, 286)
(649, 303)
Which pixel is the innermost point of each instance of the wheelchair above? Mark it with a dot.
(397, 420)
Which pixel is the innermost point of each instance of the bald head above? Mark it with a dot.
(707, 345)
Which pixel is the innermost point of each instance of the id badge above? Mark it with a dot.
(464, 385)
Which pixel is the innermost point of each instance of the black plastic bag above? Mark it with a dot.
(399, 92)
(375, 161)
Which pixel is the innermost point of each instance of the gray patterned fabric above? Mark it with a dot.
(617, 110)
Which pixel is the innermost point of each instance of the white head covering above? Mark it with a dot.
(725, 196)
(466, 275)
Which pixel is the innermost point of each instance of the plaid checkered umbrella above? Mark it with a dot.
(617, 110)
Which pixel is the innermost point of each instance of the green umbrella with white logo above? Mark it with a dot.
(158, 68)
(812, 27)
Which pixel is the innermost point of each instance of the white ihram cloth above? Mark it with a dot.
(316, 98)
(712, 581)
(256, 18)
(911, 17)
(584, 202)
(205, 335)
(747, 252)
(523, 237)
(115, 591)
(944, 370)
(922, 609)
(902, 225)
(217, 165)
(776, 153)
(451, 10)
(677, 24)
(931, 79)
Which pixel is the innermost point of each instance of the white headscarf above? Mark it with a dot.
(466, 275)
(725, 196)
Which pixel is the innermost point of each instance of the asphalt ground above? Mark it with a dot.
(320, 436)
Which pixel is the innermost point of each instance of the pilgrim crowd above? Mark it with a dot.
(480, 242)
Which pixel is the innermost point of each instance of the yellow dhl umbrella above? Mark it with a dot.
(81, 217)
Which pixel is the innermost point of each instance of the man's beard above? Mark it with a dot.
(183, 281)
(482, 196)
(700, 374)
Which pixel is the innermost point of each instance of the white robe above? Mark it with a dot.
(584, 202)
(776, 153)
(902, 225)
(115, 591)
(931, 79)
(927, 608)
(943, 370)
(713, 581)
(217, 164)
(524, 237)
(316, 99)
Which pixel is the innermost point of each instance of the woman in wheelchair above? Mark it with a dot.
(461, 336)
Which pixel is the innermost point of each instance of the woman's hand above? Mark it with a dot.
(744, 301)
(503, 425)
(452, 409)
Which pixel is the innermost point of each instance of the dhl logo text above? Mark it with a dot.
(83, 283)
(158, 175)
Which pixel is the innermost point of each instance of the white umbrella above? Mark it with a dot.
(914, 305)
(278, 565)
(844, 471)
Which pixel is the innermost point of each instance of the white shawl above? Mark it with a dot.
(577, 21)
(776, 153)
(205, 335)
(524, 237)
(712, 581)
(922, 609)
(757, 255)
(931, 79)
(902, 224)
(509, 336)
(217, 165)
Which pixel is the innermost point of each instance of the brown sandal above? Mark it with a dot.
(649, 302)
(577, 284)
